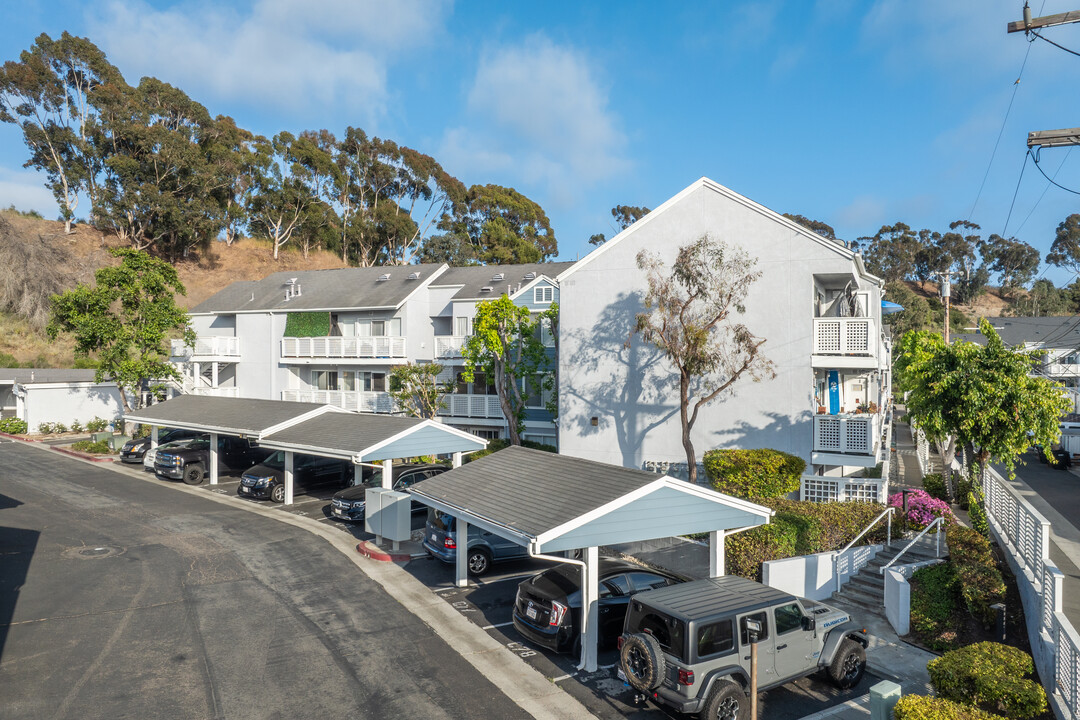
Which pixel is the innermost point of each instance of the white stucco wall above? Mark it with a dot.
(65, 402)
(610, 374)
(258, 373)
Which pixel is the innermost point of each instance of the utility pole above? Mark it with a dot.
(946, 293)
(1047, 138)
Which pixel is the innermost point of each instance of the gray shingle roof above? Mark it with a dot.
(475, 277)
(559, 488)
(238, 416)
(345, 288)
(46, 375)
(345, 432)
(715, 596)
(1057, 332)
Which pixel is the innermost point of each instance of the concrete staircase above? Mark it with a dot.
(867, 588)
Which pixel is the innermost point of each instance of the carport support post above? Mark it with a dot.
(153, 436)
(357, 474)
(213, 458)
(717, 559)
(289, 455)
(388, 474)
(462, 559)
(457, 460)
(590, 594)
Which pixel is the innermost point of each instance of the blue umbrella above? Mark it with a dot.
(887, 308)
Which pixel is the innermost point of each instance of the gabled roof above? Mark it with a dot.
(1053, 332)
(341, 289)
(232, 416)
(836, 246)
(475, 277)
(556, 502)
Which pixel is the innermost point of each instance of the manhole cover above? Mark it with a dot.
(94, 552)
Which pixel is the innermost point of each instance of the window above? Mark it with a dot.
(647, 581)
(543, 295)
(486, 433)
(618, 585)
(462, 327)
(715, 638)
(546, 338)
(788, 618)
(744, 634)
(378, 327)
(324, 379)
(347, 380)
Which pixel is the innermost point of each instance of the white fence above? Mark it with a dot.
(845, 336)
(474, 406)
(851, 434)
(375, 402)
(826, 488)
(449, 346)
(210, 346)
(343, 347)
(1025, 536)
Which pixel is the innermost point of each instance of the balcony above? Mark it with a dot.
(210, 348)
(847, 439)
(344, 348)
(845, 342)
(1062, 370)
(356, 400)
(472, 406)
(449, 346)
(215, 391)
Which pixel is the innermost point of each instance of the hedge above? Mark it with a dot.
(981, 584)
(935, 486)
(101, 447)
(934, 601)
(989, 676)
(307, 324)
(977, 513)
(800, 528)
(13, 426)
(499, 444)
(919, 707)
(754, 473)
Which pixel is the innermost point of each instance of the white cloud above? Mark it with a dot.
(282, 55)
(538, 109)
(26, 191)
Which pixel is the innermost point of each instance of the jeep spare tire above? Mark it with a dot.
(642, 661)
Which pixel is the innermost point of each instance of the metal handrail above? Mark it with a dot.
(888, 535)
(937, 543)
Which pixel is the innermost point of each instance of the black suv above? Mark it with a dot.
(349, 504)
(134, 450)
(267, 479)
(688, 646)
(190, 461)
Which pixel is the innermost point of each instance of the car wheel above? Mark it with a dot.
(278, 494)
(193, 475)
(726, 701)
(848, 666)
(479, 562)
(642, 661)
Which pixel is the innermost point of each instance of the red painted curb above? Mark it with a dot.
(83, 456)
(19, 437)
(373, 551)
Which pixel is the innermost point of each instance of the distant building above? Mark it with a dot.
(51, 395)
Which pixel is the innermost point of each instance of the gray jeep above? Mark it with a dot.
(688, 645)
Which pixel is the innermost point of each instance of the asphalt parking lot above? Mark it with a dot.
(488, 603)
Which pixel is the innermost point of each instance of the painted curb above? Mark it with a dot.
(83, 456)
(374, 552)
(21, 438)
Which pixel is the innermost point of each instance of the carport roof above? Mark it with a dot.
(233, 416)
(557, 502)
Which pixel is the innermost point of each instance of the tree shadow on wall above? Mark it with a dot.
(616, 363)
(743, 434)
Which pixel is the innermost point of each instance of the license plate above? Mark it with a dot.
(434, 538)
(530, 612)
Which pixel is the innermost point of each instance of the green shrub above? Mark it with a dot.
(989, 676)
(46, 428)
(874, 472)
(59, 427)
(761, 473)
(977, 513)
(13, 426)
(101, 447)
(307, 324)
(963, 489)
(746, 551)
(933, 603)
(97, 425)
(499, 443)
(76, 426)
(980, 581)
(919, 707)
(935, 486)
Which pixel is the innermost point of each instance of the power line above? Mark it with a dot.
(1054, 43)
(1032, 211)
(1015, 192)
(1035, 158)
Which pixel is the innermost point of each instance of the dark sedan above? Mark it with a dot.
(134, 450)
(349, 503)
(547, 610)
(266, 481)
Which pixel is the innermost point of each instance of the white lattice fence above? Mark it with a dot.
(822, 488)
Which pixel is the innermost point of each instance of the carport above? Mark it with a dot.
(555, 503)
(310, 429)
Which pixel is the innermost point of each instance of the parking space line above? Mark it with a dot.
(444, 589)
(497, 625)
(561, 678)
(504, 579)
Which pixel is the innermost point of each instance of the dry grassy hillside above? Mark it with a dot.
(989, 304)
(36, 258)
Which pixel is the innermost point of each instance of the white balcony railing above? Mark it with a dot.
(1069, 370)
(343, 347)
(215, 391)
(845, 336)
(212, 346)
(449, 346)
(360, 401)
(474, 406)
(847, 434)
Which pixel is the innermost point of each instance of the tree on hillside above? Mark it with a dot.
(982, 395)
(495, 225)
(1065, 251)
(232, 149)
(1014, 261)
(417, 391)
(624, 216)
(1043, 300)
(48, 94)
(126, 319)
(505, 348)
(823, 229)
(916, 315)
(689, 317)
(890, 253)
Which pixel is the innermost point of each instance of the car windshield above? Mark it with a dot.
(275, 461)
(440, 520)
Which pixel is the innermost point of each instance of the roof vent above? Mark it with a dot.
(384, 277)
(530, 276)
(414, 275)
(497, 277)
(292, 289)
(485, 289)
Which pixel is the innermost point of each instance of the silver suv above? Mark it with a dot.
(688, 645)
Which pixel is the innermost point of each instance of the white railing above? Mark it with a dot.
(1024, 534)
(1061, 370)
(214, 391)
(845, 336)
(826, 488)
(212, 346)
(939, 523)
(887, 513)
(475, 406)
(922, 450)
(381, 346)
(849, 434)
(359, 401)
(449, 346)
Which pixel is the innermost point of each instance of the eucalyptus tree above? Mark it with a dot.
(496, 225)
(1065, 251)
(1014, 261)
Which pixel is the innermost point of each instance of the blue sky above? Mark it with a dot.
(855, 113)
